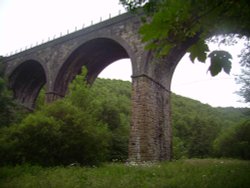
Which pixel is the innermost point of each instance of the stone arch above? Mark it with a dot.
(96, 54)
(26, 80)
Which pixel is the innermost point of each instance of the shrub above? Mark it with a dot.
(60, 134)
(9, 152)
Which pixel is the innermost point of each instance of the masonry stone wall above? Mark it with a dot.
(150, 134)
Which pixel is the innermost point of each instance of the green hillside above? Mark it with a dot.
(182, 107)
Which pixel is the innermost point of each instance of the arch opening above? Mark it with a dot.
(26, 81)
(118, 70)
(95, 55)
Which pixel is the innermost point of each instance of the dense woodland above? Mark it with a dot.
(91, 125)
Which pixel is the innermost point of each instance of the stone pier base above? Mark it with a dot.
(150, 134)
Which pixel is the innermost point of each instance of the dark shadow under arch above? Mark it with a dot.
(26, 81)
(95, 54)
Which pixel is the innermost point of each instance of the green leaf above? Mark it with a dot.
(215, 66)
(199, 51)
(151, 46)
(165, 50)
(219, 60)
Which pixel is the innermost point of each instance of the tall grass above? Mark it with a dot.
(194, 173)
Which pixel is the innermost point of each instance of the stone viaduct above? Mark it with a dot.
(54, 65)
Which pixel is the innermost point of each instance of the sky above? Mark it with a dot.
(25, 23)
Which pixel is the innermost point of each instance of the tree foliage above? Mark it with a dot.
(175, 24)
(5, 100)
(10, 112)
(234, 142)
(244, 80)
(244, 77)
(58, 134)
(88, 126)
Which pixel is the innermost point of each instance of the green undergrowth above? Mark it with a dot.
(196, 173)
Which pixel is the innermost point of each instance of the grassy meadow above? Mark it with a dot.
(205, 173)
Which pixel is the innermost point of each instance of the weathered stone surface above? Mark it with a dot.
(150, 134)
(55, 64)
